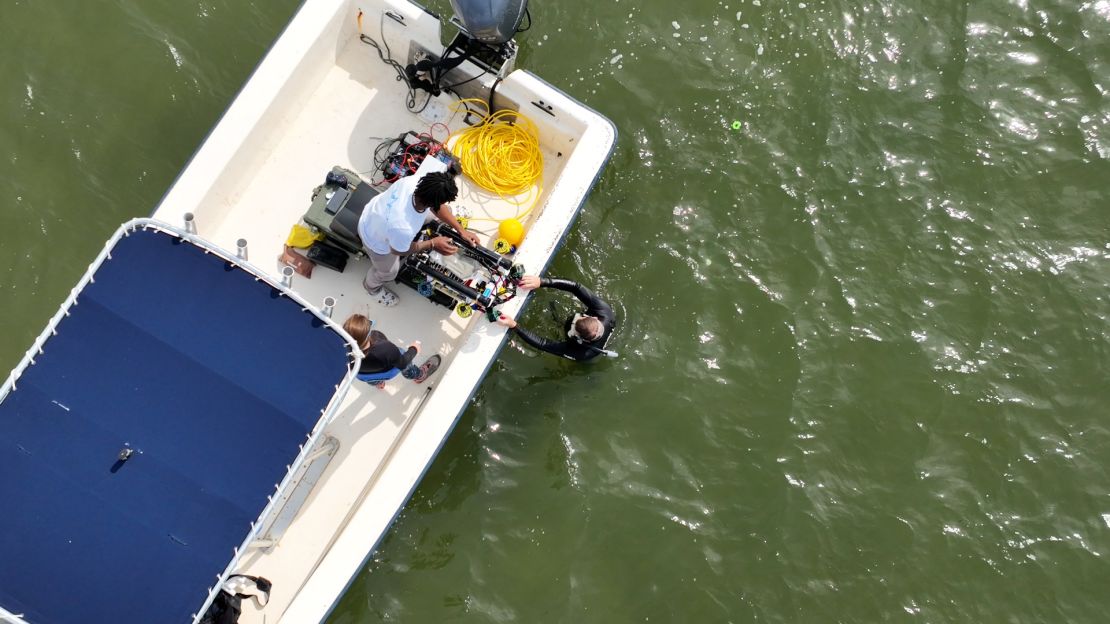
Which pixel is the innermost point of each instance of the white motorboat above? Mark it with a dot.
(190, 365)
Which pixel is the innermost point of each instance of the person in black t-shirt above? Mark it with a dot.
(380, 357)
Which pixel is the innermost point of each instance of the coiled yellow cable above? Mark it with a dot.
(501, 155)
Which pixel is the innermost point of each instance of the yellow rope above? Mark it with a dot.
(501, 155)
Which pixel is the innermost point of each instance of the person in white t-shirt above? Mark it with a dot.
(391, 220)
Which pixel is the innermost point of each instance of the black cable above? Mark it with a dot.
(382, 154)
(489, 101)
(387, 58)
(528, 14)
(460, 83)
(410, 100)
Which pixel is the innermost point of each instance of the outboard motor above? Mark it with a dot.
(486, 31)
(492, 22)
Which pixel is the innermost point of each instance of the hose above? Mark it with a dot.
(501, 155)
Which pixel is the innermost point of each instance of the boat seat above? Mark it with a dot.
(378, 377)
(335, 211)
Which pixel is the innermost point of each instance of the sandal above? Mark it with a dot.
(385, 297)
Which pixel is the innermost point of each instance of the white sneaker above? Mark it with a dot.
(385, 297)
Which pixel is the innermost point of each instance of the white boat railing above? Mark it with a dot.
(307, 451)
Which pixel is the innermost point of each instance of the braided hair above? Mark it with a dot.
(436, 189)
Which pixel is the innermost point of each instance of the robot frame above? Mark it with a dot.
(473, 279)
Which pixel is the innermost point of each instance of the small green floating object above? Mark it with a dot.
(736, 125)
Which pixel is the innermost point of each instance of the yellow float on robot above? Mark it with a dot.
(512, 231)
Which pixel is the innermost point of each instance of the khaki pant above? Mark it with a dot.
(383, 269)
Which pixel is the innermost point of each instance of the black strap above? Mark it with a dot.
(436, 69)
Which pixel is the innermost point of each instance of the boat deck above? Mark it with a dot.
(356, 106)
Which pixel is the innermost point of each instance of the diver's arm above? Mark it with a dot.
(595, 306)
(539, 342)
(560, 348)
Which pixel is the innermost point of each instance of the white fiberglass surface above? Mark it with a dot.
(341, 123)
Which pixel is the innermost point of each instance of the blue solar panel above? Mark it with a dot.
(211, 377)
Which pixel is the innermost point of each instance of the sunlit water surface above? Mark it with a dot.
(861, 254)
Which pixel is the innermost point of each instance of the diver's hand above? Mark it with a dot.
(505, 321)
(444, 245)
(529, 282)
(415, 345)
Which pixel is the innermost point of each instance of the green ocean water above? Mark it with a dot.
(861, 255)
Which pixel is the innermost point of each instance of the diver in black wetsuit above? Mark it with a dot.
(587, 331)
